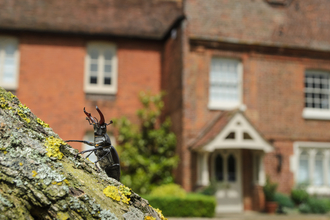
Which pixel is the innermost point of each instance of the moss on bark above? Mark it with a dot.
(41, 179)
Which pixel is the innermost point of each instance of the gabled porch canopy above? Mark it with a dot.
(231, 130)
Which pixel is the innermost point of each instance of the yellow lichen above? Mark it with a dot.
(60, 183)
(34, 173)
(42, 123)
(159, 212)
(149, 218)
(4, 104)
(118, 194)
(53, 147)
(5, 152)
(21, 164)
(66, 181)
(12, 95)
(22, 115)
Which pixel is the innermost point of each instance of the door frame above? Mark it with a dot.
(239, 176)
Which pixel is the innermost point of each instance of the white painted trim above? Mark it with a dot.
(225, 105)
(203, 178)
(261, 172)
(311, 148)
(100, 88)
(318, 114)
(257, 142)
(3, 41)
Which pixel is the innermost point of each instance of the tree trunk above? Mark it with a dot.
(41, 179)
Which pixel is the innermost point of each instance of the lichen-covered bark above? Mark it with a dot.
(41, 179)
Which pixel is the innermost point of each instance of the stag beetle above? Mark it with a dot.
(106, 154)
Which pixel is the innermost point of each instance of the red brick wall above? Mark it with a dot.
(51, 80)
(172, 83)
(273, 92)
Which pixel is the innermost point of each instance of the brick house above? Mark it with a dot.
(247, 81)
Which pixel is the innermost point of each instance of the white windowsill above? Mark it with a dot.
(226, 106)
(318, 114)
(97, 90)
(318, 190)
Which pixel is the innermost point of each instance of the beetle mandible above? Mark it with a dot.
(106, 154)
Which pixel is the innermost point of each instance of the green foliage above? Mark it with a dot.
(147, 151)
(210, 190)
(283, 200)
(193, 205)
(170, 189)
(299, 196)
(270, 190)
(315, 205)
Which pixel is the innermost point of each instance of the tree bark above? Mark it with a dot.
(40, 178)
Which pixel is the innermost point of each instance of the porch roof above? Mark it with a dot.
(230, 129)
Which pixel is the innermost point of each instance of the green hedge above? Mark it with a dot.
(193, 205)
(315, 205)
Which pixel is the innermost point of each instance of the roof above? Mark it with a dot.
(212, 129)
(285, 23)
(132, 18)
(230, 130)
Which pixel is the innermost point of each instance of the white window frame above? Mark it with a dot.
(312, 148)
(227, 105)
(4, 40)
(316, 113)
(100, 87)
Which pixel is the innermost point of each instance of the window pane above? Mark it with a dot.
(107, 80)
(107, 69)
(231, 167)
(93, 80)
(94, 54)
(107, 55)
(303, 172)
(9, 64)
(224, 82)
(318, 169)
(93, 67)
(219, 168)
(317, 90)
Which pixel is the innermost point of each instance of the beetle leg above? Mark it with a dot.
(85, 142)
(102, 157)
(94, 149)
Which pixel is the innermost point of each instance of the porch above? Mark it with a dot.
(232, 162)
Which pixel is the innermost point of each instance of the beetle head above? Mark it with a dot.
(100, 127)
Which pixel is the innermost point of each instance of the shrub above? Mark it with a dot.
(171, 189)
(315, 205)
(270, 190)
(193, 205)
(299, 196)
(304, 208)
(283, 200)
(146, 149)
(318, 206)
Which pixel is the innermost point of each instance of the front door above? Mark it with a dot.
(228, 178)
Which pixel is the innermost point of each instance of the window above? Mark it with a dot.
(225, 84)
(312, 166)
(303, 177)
(101, 68)
(317, 95)
(8, 63)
